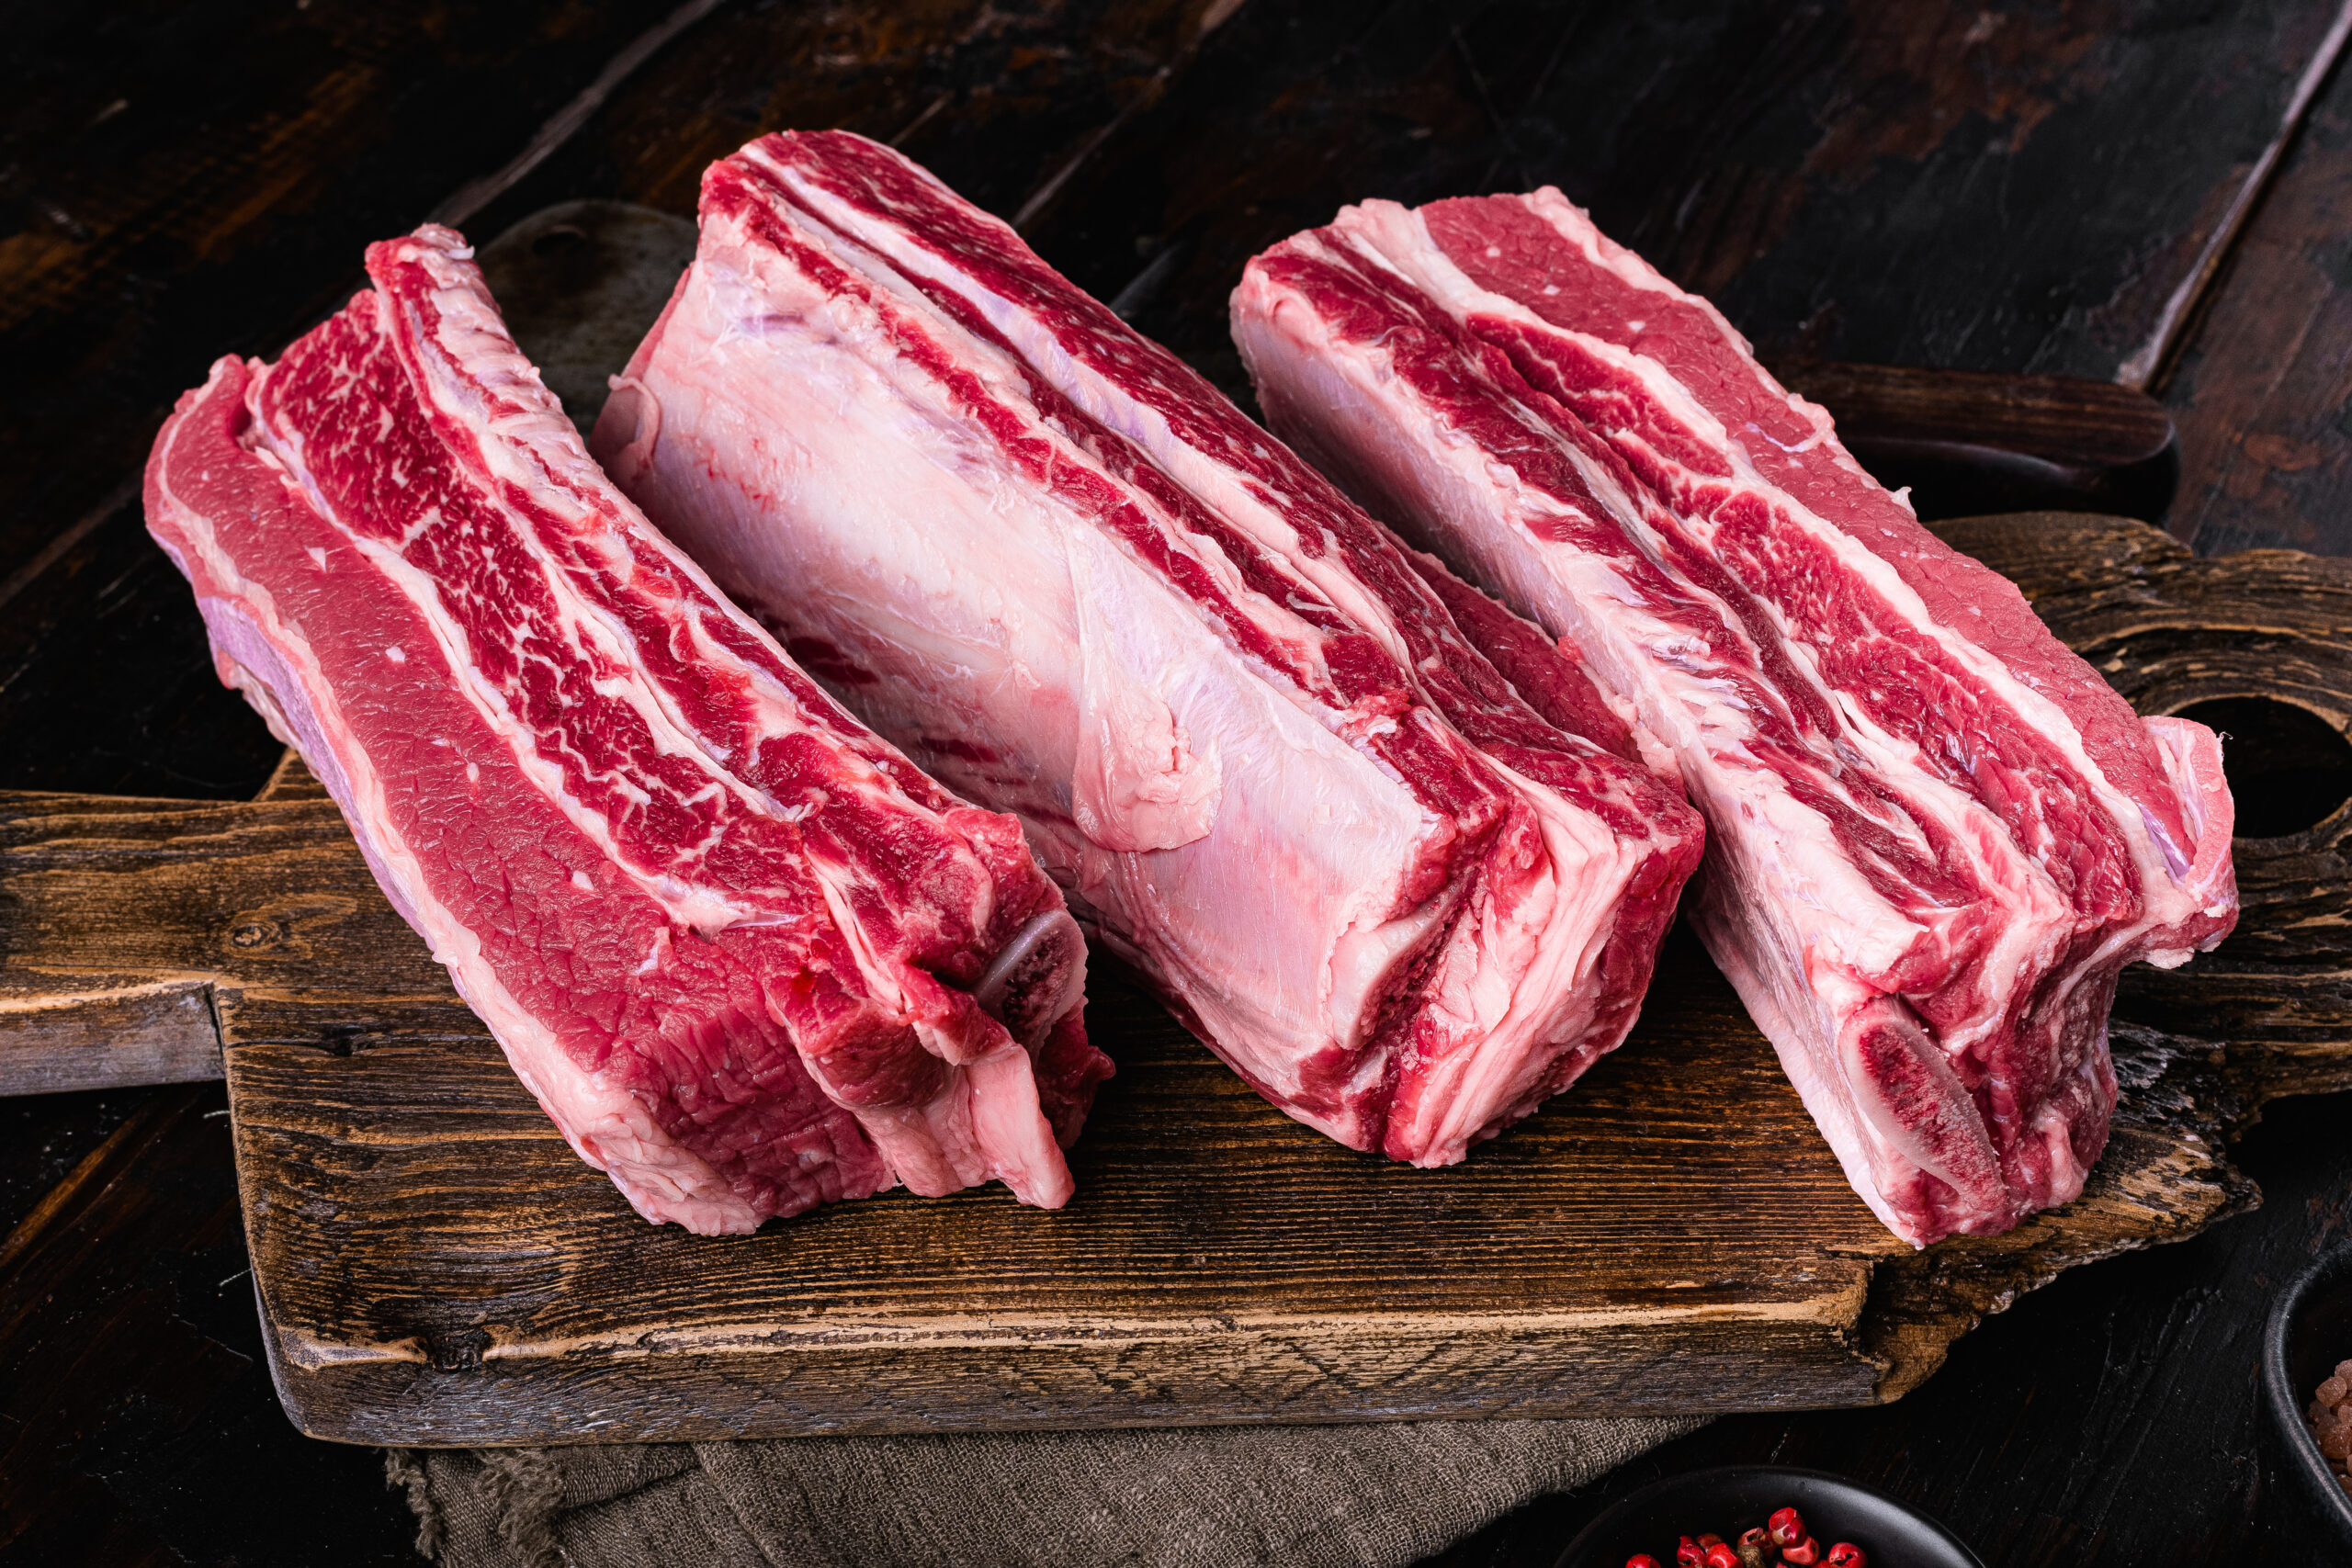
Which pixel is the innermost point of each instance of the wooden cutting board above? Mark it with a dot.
(434, 1266)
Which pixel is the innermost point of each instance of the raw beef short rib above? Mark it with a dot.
(1404, 898)
(747, 957)
(1935, 835)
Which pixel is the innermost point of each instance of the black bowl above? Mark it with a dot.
(2310, 1331)
(1732, 1498)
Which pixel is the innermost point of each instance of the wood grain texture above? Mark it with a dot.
(117, 913)
(1967, 443)
(2110, 1420)
(179, 183)
(1885, 183)
(1220, 1264)
(1004, 103)
(61, 1033)
(436, 1267)
(2263, 390)
(130, 1411)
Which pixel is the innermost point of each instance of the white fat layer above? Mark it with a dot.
(833, 485)
(1512, 987)
(759, 274)
(1224, 492)
(1517, 982)
(1137, 782)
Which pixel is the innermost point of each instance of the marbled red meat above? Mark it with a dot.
(1405, 898)
(1935, 835)
(747, 957)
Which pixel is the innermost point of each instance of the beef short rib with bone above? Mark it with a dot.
(1404, 895)
(1935, 835)
(748, 958)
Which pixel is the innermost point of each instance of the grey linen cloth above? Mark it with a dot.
(1365, 1497)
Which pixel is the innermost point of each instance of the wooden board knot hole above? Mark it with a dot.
(2289, 768)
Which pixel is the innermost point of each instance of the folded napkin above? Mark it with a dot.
(1362, 1496)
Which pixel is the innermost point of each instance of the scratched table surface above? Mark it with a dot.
(2158, 195)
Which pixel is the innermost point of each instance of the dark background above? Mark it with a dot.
(2156, 194)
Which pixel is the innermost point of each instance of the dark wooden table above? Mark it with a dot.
(2158, 194)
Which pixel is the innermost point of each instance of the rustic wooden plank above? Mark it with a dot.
(184, 184)
(369, 1102)
(61, 1032)
(132, 1411)
(119, 918)
(1894, 184)
(1225, 1263)
(1672, 1232)
(1543, 1279)
(1002, 103)
(1967, 443)
(64, 1029)
(2264, 382)
(74, 1027)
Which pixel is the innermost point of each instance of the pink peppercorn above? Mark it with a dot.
(2329, 1416)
